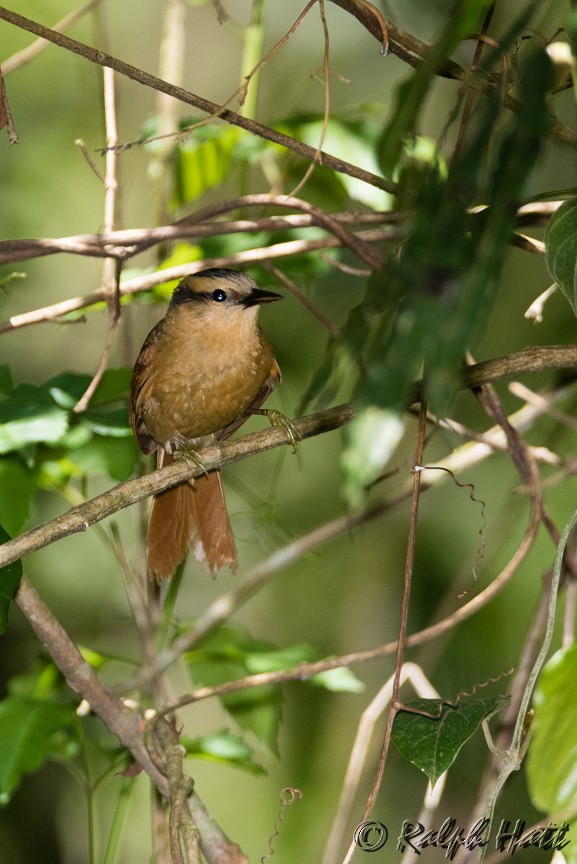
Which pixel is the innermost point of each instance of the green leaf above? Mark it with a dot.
(432, 743)
(41, 681)
(204, 161)
(223, 747)
(67, 388)
(10, 277)
(372, 438)
(350, 141)
(27, 727)
(109, 423)
(285, 658)
(221, 657)
(29, 416)
(17, 485)
(411, 93)
(10, 577)
(553, 751)
(6, 385)
(231, 653)
(113, 386)
(115, 456)
(561, 250)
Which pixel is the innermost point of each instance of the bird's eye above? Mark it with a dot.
(219, 295)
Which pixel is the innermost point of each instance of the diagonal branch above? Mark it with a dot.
(103, 59)
(124, 722)
(82, 517)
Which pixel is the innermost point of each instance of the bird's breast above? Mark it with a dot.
(204, 376)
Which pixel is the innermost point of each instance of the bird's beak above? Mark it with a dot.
(258, 296)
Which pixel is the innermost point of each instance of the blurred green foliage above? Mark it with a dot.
(450, 283)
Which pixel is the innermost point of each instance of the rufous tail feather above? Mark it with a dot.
(188, 516)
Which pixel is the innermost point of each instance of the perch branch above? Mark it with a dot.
(80, 518)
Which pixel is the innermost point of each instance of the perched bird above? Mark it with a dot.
(200, 373)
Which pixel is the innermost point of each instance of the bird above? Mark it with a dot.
(201, 372)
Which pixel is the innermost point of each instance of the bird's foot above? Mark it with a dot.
(194, 459)
(281, 421)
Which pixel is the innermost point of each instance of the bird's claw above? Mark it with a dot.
(281, 421)
(192, 457)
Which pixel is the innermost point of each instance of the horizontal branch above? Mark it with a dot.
(138, 284)
(185, 96)
(126, 243)
(530, 360)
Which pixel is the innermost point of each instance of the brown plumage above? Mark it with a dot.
(201, 371)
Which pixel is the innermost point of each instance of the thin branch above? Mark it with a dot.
(468, 106)
(144, 283)
(111, 269)
(535, 359)
(513, 758)
(5, 112)
(327, 100)
(304, 300)
(103, 59)
(129, 242)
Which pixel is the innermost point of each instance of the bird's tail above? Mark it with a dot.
(186, 516)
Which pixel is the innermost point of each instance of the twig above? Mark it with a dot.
(468, 105)
(404, 45)
(302, 298)
(535, 359)
(327, 101)
(5, 113)
(171, 67)
(125, 244)
(410, 672)
(512, 761)
(403, 623)
(111, 269)
(158, 277)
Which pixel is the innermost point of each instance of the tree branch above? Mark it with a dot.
(126, 723)
(139, 284)
(82, 517)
